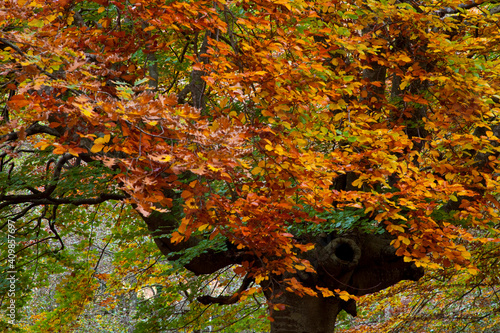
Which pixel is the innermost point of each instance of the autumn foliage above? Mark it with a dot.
(265, 125)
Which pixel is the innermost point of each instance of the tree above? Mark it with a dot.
(325, 149)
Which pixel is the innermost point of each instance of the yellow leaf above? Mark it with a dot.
(102, 140)
(73, 152)
(473, 271)
(211, 167)
(325, 292)
(404, 58)
(358, 182)
(101, 9)
(96, 148)
(203, 227)
(165, 158)
(42, 145)
(344, 295)
(260, 278)
(395, 227)
(60, 150)
(36, 23)
(176, 237)
(256, 170)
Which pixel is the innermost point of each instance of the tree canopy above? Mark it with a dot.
(319, 150)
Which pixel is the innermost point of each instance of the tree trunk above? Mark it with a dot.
(358, 263)
(305, 314)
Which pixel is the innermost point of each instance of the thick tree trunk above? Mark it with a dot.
(305, 314)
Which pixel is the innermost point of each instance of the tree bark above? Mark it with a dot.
(307, 314)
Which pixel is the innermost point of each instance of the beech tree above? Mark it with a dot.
(322, 149)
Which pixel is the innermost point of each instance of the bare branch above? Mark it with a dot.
(40, 199)
(234, 298)
(470, 4)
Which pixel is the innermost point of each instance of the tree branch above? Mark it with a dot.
(234, 298)
(43, 199)
(451, 11)
(35, 128)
